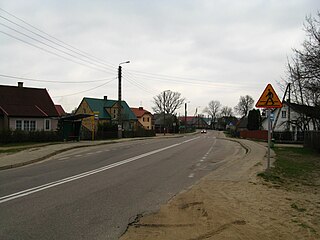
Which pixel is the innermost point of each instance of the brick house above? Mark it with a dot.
(145, 118)
(27, 109)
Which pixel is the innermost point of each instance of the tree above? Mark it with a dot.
(213, 110)
(303, 71)
(244, 105)
(226, 111)
(254, 119)
(167, 102)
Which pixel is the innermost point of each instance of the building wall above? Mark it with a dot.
(146, 121)
(283, 118)
(87, 122)
(40, 123)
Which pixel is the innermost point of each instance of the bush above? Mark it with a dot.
(18, 136)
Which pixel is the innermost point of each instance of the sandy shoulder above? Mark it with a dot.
(232, 203)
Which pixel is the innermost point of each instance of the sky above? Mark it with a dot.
(204, 49)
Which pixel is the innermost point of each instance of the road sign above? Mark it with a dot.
(269, 99)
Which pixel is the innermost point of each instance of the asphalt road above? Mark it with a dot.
(94, 193)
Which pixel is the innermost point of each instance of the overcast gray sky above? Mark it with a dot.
(204, 49)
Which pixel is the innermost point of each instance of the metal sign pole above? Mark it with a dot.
(269, 137)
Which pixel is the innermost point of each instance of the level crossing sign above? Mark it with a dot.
(269, 99)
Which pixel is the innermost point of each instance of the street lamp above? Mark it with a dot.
(119, 99)
(185, 116)
(164, 111)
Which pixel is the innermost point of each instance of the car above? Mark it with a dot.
(203, 131)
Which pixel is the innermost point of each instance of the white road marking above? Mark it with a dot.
(79, 155)
(85, 174)
(98, 151)
(191, 175)
(64, 158)
(198, 164)
(89, 153)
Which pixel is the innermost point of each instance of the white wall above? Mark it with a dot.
(40, 123)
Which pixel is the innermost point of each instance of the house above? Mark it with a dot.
(145, 118)
(194, 122)
(242, 124)
(294, 117)
(27, 109)
(171, 123)
(60, 110)
(105, 111)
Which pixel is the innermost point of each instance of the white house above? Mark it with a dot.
(294, 117)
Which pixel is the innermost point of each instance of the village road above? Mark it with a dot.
(94, 193)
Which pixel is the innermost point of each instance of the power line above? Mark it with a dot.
(57, 49)
(138, 86)
(52, 81)
(56, 54)
(72, 94)
(56, 39)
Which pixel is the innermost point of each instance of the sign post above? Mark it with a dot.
(269, 100)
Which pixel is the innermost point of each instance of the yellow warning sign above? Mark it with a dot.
(269, 99)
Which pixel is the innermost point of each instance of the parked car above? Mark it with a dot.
(203, 131)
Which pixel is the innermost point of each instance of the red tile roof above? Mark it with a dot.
(139, 112)
(60, 110)
(26, 102)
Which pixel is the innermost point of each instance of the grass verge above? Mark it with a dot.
(294, 167)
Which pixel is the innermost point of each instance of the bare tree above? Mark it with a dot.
(167, 102)
(213, 109)
(226, 111)
(244, 105)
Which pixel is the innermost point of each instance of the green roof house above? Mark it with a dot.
(105, 110)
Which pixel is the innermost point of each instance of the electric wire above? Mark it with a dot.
(138, 86)
(72, 94)
(56, 54)
(80, 52)
(52, 81)
(57, 49)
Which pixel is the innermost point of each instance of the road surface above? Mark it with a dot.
(94, 193)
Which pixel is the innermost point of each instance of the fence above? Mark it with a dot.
(255, 134)
(312, 140)
(288, 136)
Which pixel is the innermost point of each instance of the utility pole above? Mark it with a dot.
(185, 117)
(119, 100)
(164, 112)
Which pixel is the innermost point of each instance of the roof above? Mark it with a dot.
(242, 123)
(60, 110)
(26, 102)
(100, 105)
(139, 112)
(310, 111)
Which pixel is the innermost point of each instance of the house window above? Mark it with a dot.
(284, 114)
(18, 125)
(147, 127)
(143, 119)
(26, 125)
(148, 119)
(32, 125)
(47, 124)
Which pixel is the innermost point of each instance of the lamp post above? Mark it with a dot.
(185, 116)
(164, 111)
(119, 99)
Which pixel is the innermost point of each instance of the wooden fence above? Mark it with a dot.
(312, 140)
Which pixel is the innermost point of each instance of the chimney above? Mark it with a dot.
(105, 98)
(20, 84)
(140, 108)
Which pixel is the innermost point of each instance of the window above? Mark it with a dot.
(148, 119)
(143, 119)
(26, 125)
(32, 125)
(18, 125)
(284, 114)
(47, 124)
